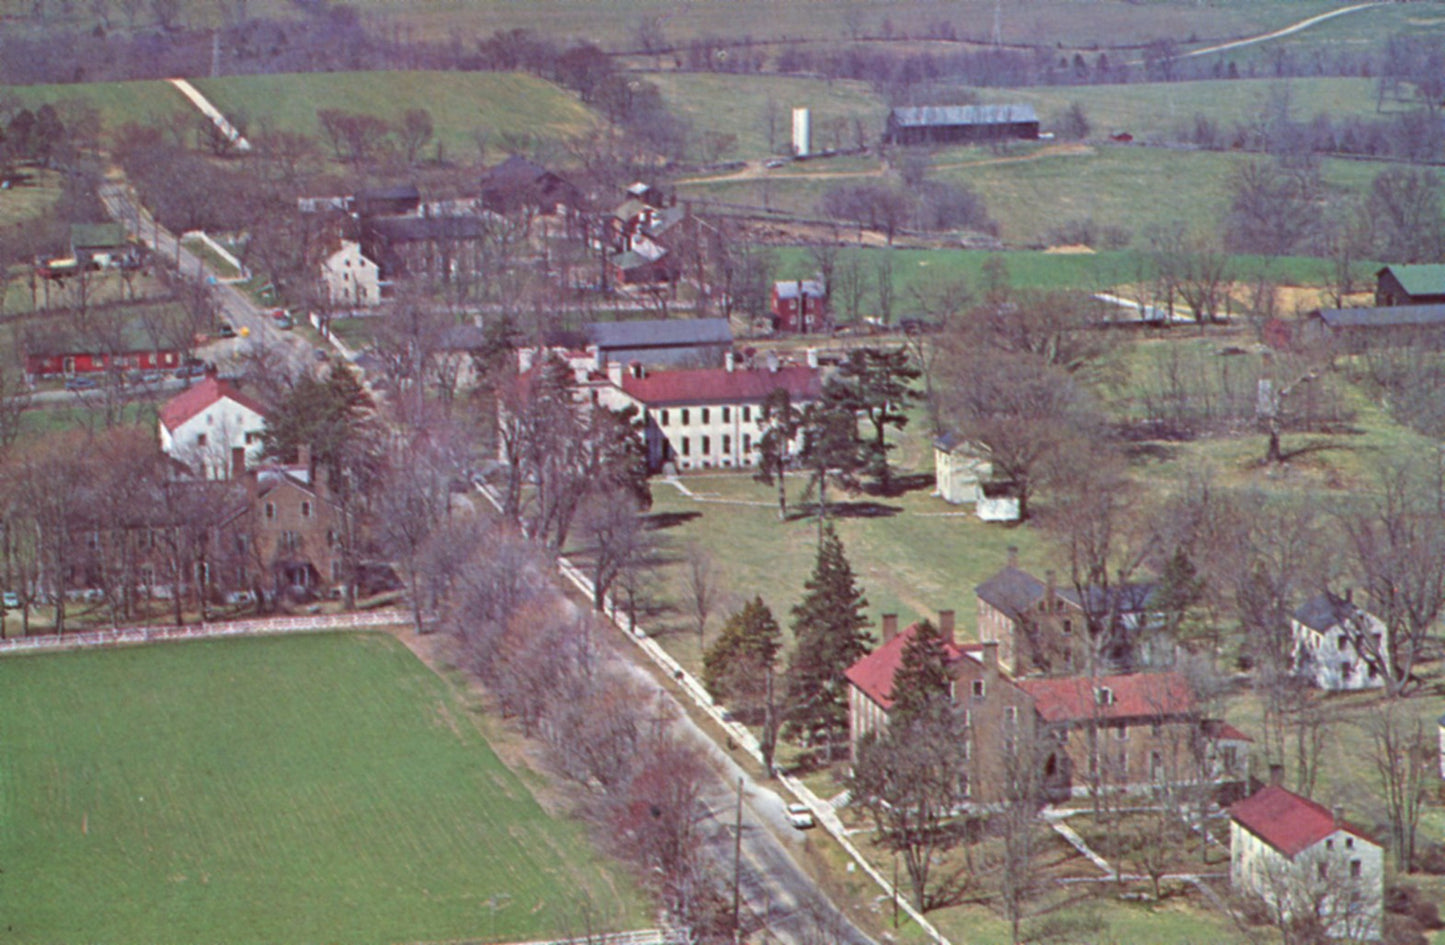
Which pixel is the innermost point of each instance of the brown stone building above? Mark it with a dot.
(287, 535)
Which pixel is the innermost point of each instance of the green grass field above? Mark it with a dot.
(500, 105)
(311, 789)
(117, 102)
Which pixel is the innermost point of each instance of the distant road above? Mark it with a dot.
(1297, 27)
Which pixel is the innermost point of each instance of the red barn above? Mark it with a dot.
(48, 354)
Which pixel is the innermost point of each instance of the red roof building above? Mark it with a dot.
(1288, 822)
(213, 429)
(1074, 699)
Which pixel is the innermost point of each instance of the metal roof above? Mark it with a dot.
(1385, 316)
(923, 116)
(660, 332)
(1418, 279)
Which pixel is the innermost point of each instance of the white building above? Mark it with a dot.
(1339, 645)
(963, 476)
(350, 279)
(1307, 864)
(709, 418)
(212, 429)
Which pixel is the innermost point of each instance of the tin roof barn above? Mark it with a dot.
(1410, 285)
(948, 124)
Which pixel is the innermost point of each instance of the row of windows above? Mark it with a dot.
(705, 444)
(664, 417)
(271, 510)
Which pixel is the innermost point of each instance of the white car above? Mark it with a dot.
(800, 816)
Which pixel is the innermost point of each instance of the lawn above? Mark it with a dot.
(322, 788)
(118, 103)
(503, 107)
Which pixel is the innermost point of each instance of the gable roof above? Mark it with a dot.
(924, 116)
(1288, 822)
(721, 386)
(873, 674)
(660, 332)
(1011, 590)
(1141, 695)
(1418, 279)
(1326, 611)
(1384, 316)
(789, 288)
(200, 396)
(1015, 591)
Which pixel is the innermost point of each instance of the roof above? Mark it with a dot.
(1222, 731)
(631, 259)
(1325, 611)
(1418, 280)
(1014, 591)
(923, 116)
(200, 396)
(660, 333)
(629, 209)
(1384, 316)
(1289, 823)
(515, 171)
(411, 229)
(788, 288)
(873, 674)
(721, 386)
(1141, 695)
(96, 235)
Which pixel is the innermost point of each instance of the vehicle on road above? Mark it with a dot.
(800, 816)
(190, 370)
(285, 324)
(225, 330)
(80, 383)
(11, 600)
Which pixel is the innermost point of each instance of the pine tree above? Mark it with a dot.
(874, 382)
(828, 625)
(922, 681)
(738, 669)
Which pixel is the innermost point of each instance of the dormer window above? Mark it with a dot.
(1103, 696)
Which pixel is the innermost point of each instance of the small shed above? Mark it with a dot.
(1410, 285)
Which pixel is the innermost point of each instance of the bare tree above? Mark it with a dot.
(1403, 754)
(615, 539)
(703, 585)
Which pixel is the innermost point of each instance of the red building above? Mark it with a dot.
(800, 305)
(66, 353)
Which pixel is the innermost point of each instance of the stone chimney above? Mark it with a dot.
(990, 658)
(772, 362)
(1276, 775)
(945, 625)
(597, 363)
(813, 358)
(730, 362)
(890, 627)
(614, 373)
(1013, 556)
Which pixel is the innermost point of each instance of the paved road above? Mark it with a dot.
(234, 305)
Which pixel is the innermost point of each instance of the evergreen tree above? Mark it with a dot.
(922, 681)
(874, 382)
(831, 449)
(738, 669)
(828, 625)
(781, 421)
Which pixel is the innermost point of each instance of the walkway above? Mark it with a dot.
(212, 112)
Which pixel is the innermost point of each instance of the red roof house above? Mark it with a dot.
(213, 429)
(1288, 822)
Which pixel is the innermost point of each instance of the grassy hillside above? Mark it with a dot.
(326, 788)
(116, 102)
(497, 104)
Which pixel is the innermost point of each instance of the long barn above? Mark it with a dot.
(951, 124)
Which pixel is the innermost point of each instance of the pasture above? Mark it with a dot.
(315, 788)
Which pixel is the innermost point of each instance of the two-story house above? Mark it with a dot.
(1043, 627)
(1307, 863)
(1339, 645)
(350, 279)
(800, 305)
(212, 429)
(286, 536)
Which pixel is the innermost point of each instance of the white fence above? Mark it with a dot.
(271, 626)
(823, 812)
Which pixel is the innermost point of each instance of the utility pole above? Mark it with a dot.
(738, 868)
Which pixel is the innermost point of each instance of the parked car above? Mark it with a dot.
(80, 383)
(11, 600)
(225, 330)
(285, 324)
(190, 370)
(800, 816)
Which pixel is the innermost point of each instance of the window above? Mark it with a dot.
(706, 417)
(1329, 844)
(1068, 627)
(1156, 765)
(1156, 729)
(1121, 732)
(727, 415)
(1345, 668)
(664, 418)
(305, 509)
(1349, 843)
(1355, 869)
(200, 439)
(1011, 714)
(1324, 869)
(290, 541)
(978, 689)
(335, 572)
(241, 544)
(706, 445)
(270, 511)
(747, 414)
(1103, 696)
(747, 442)
(686, 443)
(727, 443)
(684, 416)
(253, 438)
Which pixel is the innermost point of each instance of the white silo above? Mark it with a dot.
(800, 132)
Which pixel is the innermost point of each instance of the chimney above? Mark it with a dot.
(598, 362)
(990, 657)
(636, 369)
(614, 373)
(1276, 775)
(813, 358)
(772, 362)
(1349, 595)
(1050, 580)
(1013, 556)
(729, 362)
(890, 627)
(524, 359)
(945, 625)
(1339, 812)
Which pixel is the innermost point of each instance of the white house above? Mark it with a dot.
(963, 476)
(708, 418)
(1307, 863)
(1339, 645)
(351, 280)
(212, 429)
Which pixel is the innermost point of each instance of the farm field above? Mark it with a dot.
(117, 103)
(321, 788)
(502, 106)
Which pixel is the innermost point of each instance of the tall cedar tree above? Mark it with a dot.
(922, 680)
(828, 625)
(874, 382)
(780, 422)
(738, 669)
(831, 449)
